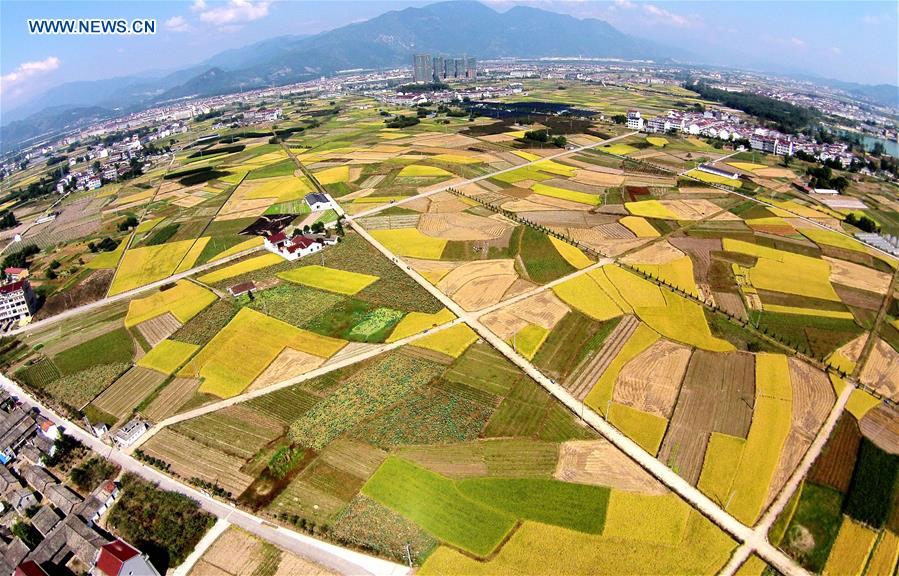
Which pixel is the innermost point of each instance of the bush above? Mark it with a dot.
(402, 122)
(90, 473)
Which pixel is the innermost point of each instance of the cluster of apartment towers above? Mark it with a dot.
(428, 68)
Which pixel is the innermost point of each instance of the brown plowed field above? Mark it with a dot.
(730, 302)
(578, 219)
(699, 250)
(837, 460)
(812, 399)
(856, 276)
(586, 375)
(717, 395)
(171, 399)
(881, 426)
(128, 391)
(155, 330)
(650, 382)
(601, 463)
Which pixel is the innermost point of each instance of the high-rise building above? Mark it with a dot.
(459, 70)
(438, 68)
(471, 69)
(421, 68)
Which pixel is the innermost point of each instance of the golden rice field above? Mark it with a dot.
(563, 194)
(420, 171)
(644, 428)
(330, 279)
(333, 175)
(639, 226)
(650, 209)
(253, 242)
(601, 394)
(415, 322)
(242, 267)
(850, 550)
(185, 300)
(584, 294)
(571, 254)
(167, 356)
(452, 341)
(529, 339)
(140, 266)
(713, 178)
(245, 347)
(410, 242)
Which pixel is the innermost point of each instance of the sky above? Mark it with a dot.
(853, 41)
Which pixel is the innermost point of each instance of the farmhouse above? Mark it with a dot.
(318, 201)
(16, 274)
(119, 558)
(634, 120)
(130, 432)
(719, 171)
(241, 289)
(292, 248)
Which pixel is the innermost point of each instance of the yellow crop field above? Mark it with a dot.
(786, 272)
(860, 403)
(283, 189)
(843, 314)
(167, 356)
(148, 264)
(245, 347)
(516, 134)
(234, 176)
(415, 322)
(619, 149)
(529, 339)
(644, 428)
(530, 157)
(191, 257)
(456, 159)
(147, 225)
(771, 420)
(584, 294)
(555, 168)
(678, 273)
(105, 260)
(885, 556)
(754, 566)
(746, 166)
(452, 341)
(650, 209)
(563, 194)
(639, 226)
(185, 300)
(253, 242)
(333, 175)
(410, 242)
(242, 267)
(683, 321)
(132, 198)
(660, 519)
(638, 291)
(330, 279)
(850, 550)
(789, 208)
(713, 178)
(657, 140)
(541, 549)
(722, 460)
(602, 280)
(830, 238)
(571, 254)
(599, 396)
(420, 171)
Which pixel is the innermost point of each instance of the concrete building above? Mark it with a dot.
(16, 300)
(118, 558)
(634, 120)
(421, 68)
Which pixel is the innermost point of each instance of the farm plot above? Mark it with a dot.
(881, 371)
(245, 347)
(650, 382)
(600, 463)
(167, 356)
(330, 279)
(717, 395)
(238, 553)
(881, 426)
(484, 369)
(833, 468)
(236, 430)
(140, 266)
(128, 391)
(171, 399)
(476, 285)
(157, 329)
(188, 458)
(377, 386)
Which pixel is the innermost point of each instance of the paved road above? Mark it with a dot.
(649, 463)
(339, 559)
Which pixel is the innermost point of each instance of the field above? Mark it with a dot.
(128, 391)
(239, 553)
(140, 266)
(850, 550)
(243, 348)
(168, 356)
(330, 279)
(184, 300)
(242, 267)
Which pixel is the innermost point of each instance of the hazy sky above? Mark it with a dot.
(854, 41)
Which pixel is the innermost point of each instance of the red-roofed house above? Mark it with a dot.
(292, 248)
(16, 273)
(29, 568)
(119, 558)
(16, 300)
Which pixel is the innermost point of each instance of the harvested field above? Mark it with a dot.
(588, 373)
(159, 328)
(171, 399)
(288, 364)
(881, 426)
(600, 463)
(699, 250)
(812, 398)
(478, 284)
(881, 371)
(731, 303)
(128, 391)
(461, 226)
(192, 459)
(718, 395)
(543, 309)
(651, 381)
(836, 462)
(858, 276)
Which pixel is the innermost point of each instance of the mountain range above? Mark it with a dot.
(388, 40)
